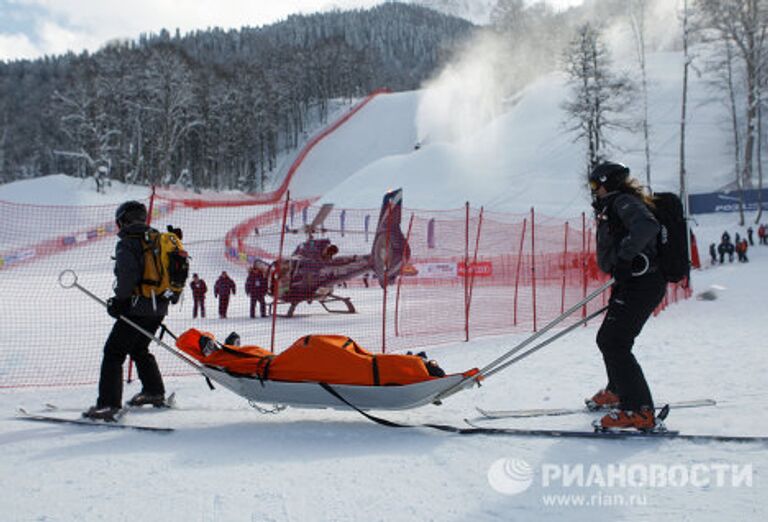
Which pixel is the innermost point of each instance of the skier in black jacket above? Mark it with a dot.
(626, 249)
(124, 339)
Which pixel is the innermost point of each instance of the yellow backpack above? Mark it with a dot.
(166, 266)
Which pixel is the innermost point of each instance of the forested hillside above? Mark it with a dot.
(212, 108)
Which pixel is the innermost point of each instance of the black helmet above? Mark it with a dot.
(130, 212)
(609, 175)
(232, 339)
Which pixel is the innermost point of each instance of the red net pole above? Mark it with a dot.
(400, 280)
(466, 271)
(517, 269)
(278, 272)
(386, 280)
(151, 208)
(533, 266)
(474, 266)
(565, 267)
(584, 260)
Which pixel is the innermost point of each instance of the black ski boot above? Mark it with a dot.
(142, 398)
(107, 414)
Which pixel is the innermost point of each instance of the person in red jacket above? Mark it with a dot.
(199, 289)
(222, 289)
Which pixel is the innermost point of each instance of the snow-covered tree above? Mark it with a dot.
(637, 16)
(599, 99)
(168, 105)
(84, 120)
(742, 24)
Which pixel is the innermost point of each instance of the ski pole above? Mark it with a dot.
(542, 344)
(68, 279)
(557, 320)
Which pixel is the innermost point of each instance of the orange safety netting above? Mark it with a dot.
(471, 274)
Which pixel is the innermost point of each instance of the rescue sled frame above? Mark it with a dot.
(308, 394)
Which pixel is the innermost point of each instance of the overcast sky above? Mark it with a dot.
(32, 28)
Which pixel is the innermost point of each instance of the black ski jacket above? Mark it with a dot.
(129, 269)
(626, 228)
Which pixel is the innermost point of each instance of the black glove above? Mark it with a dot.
(117, 307)
(622, 272)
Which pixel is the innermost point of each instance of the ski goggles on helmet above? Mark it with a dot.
(594, 184)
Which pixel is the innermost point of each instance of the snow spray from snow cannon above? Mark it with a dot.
(68, 279)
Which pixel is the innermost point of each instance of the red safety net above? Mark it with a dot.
(471, 274)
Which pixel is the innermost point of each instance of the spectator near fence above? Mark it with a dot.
(725, 247)
(256, 288)
(761, 235)
(741, 250)
(199, 289)
(223, 288)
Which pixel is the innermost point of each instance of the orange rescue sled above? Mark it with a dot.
(294, 377)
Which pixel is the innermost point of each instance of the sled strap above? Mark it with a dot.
(265, 373)
(393, 424)
(374, 418)
(164, 330)
(375, 366)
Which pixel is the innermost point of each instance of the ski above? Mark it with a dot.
(37, 417)
(170, 403)
(553, 412)
(611, 435)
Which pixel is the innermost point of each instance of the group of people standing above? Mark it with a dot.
(225, 287)
(739, 246)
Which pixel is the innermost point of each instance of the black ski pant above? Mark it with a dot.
(125, 340)
(198, 304)
(223, 306)
(262, 306)
(630, 306)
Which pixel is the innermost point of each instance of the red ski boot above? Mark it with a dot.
(602, 400)
(643, 420)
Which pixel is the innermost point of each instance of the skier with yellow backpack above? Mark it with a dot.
(151, 268)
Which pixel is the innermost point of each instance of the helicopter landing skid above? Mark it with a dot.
(331, 298)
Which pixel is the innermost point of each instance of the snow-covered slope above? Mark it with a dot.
(59, 189)
(382, 128)
(522, 158)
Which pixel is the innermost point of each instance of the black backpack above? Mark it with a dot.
(672, 242)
